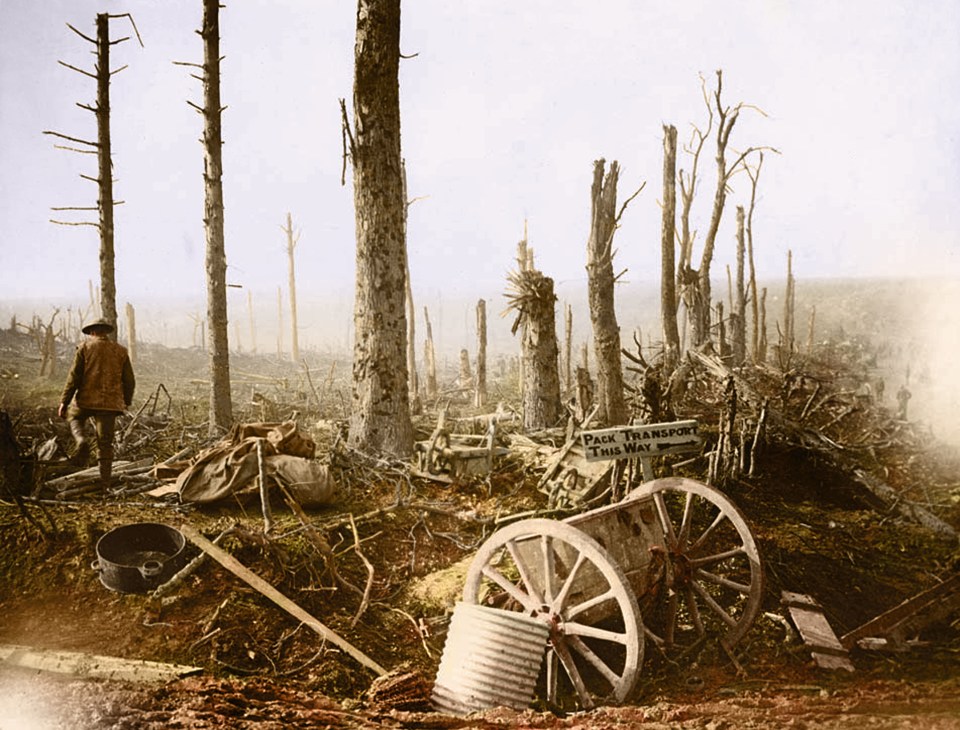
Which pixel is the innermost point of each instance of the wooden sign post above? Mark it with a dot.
(641, 442)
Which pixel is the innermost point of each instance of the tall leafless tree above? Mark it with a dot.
(604, 220)
(292, 241)
(668, 236)
(738, 315)
(696, 284)
(754, 300)
(380, 419)
(221, 407)
(103, 149)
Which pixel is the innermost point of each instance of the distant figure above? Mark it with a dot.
(903, 396)
(102, 380)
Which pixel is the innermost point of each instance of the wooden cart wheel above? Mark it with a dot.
(713, 577)
(556, 573)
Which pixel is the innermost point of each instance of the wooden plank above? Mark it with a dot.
(928, 606)
(825, 647)
(92, 666)
(255, 581)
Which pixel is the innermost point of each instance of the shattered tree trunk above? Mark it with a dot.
(416, 404)
(606, 331)
(221, 408)
(429, 357)
(131, 333)
(480, 389)
(380, 419)
(788, 299)
(292, 282)
(738, 318)
(567, 349)
(541, 386)
(108, 286)
(668, 289)
(754, 299)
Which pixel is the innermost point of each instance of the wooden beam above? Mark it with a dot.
(79, 664)
(259, 584)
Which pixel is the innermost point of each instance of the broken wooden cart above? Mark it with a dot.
(674, 563)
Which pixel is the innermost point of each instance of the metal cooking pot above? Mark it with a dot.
(139, 557)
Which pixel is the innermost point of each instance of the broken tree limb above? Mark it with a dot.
(259, 584)
(892, 500)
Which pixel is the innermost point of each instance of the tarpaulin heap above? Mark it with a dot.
(231, 465)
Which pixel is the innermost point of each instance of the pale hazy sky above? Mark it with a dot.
(505, 106)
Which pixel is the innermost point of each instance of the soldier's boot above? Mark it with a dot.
(106, 468)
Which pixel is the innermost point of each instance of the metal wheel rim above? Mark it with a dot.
(695, 567)
(572, 642)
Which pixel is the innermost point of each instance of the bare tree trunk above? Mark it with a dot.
(534, 301)
(221, 408)
(465, 377)
(131, 333)
(108, 286)
(811, 328)
(668, 289)
(416, 404)
(600, 282)
(762, 345)
(788, 339)
(568, 348)
(738, 318)
(380, 418)
(430, 358)
(292, 279)
(754, 303)
(480, 389)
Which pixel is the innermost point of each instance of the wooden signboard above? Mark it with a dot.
(631, 442)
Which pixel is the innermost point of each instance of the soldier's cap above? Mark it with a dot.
(97, 325)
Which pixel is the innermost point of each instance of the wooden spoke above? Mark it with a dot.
(713, 577)
(557, 573)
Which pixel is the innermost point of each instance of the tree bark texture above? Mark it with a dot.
(540, 353)
(738, 318)
(108, 286)
(221, 408)
(380, 418)
(668, 289)
(606, 331)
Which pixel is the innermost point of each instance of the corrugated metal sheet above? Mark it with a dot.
(491, 658)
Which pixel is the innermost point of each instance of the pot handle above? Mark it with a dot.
(151, 568)
(95, 565)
